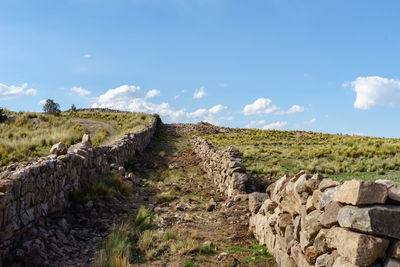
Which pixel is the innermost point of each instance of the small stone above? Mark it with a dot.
(326, 260)
(341, 262)
(320, 241)
(86, 140)
(312, 224)
(328, 196)
(327, 183)
(393, 189)
(58, 149)
(211, 205)
(311, 255)
(394, 250)
(361, 193)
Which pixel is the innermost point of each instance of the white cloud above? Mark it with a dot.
(131, 98)
(152, 93)
(253, 124)
(264, 106)
(87, 55)
(200, 93)
(42, 102)
(275, 125)
(375, 90)
(12, 91)
(217, 109)
(310, 121)
(80, 91)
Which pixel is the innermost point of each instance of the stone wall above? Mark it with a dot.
(310, 220)
(223, 166)
(34, 189)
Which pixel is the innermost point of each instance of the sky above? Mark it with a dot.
(328, 66)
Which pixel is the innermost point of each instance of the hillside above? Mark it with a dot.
(27, 135)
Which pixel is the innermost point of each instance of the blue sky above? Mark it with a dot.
(329, 66)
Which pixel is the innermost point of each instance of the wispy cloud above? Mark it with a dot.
(80, 91)
(278, 125)
(263, 106)
(254, 124)
(199, 93)
(87, 55)
(309, 122)
(152, 93)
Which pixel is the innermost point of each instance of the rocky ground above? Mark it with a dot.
(182, 198)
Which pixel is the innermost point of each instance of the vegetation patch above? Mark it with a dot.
(259, 253)
(275, 153)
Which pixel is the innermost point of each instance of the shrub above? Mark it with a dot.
(51, 107)
(3, 116)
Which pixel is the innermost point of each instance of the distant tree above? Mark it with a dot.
(51, 107)
(3, 116)
(73, 108)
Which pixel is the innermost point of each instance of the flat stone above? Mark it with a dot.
(330, 215)
(393, 189)
(256, 199)
(327, 196)
(359, 249)
(361, 193)
(378, 219)
(327, 183)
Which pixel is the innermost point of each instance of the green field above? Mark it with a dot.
(275, 153)
(27, 135)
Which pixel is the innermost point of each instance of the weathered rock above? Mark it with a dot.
(342, 262)
(320, 241)
(296, 225)
(305, 241)
(359, 249)
(328, 196)
(310, 205)
(330, 215)
(311, 255)
(327, 183)
(394, 250)
(278, 191)
(316, 198)
(377, 219)
(256, 199)
(390, 262)
(393, 189)
(284, 220)
(326, 260)
(211, 205)
(86, 140)
(299, 257)
(286, 260)
(299, 186)
(312, 224)
(267, 207)
(312, 184)
(360, 193)
(291, 203)
(58, 149)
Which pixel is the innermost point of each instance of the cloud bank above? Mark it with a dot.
(375, 90)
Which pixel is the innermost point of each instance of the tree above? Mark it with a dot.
(51, 107)
(3, 116)
(73, 108)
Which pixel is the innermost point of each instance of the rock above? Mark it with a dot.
(89, 205)
(256, 199)
(326, 260)
(286, 260)
(310, 205)
(328, 196)
(311, 255)
(305, 241)
(360, 193)
(393, 189)
(296, 225)
(284, 220)
(316, 198)
(377, 219)
(312, 184)
(327, 183)
(390, 262)
(291, 203)
(86, 140)
(320, 241)
(121, 170)
(312, 224)
(359, 249)
(64, 225)
(299, 185)
(341, 262)
(211, 205)
(299, 257)
(58, 149)
(267, 207)
(330, 215)
(279, 186)
(394, 250)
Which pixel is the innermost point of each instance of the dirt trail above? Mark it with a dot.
(93, 127)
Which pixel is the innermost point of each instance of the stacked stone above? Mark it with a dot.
(33, 189)
(223, 166)
(310, 220)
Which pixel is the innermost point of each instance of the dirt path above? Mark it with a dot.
(94, 126)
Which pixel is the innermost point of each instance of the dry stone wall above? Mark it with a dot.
(223, 166)
(34, 189)
(311, 220)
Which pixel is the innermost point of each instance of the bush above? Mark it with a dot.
(51, 107)
(3, 116)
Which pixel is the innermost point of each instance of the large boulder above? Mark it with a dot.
(359, 249)
(377, 219)
(58, 149)
(356, 192)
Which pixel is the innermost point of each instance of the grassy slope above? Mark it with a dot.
(275, 153)
(30, 135)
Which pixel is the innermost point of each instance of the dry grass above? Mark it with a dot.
(275, 153)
